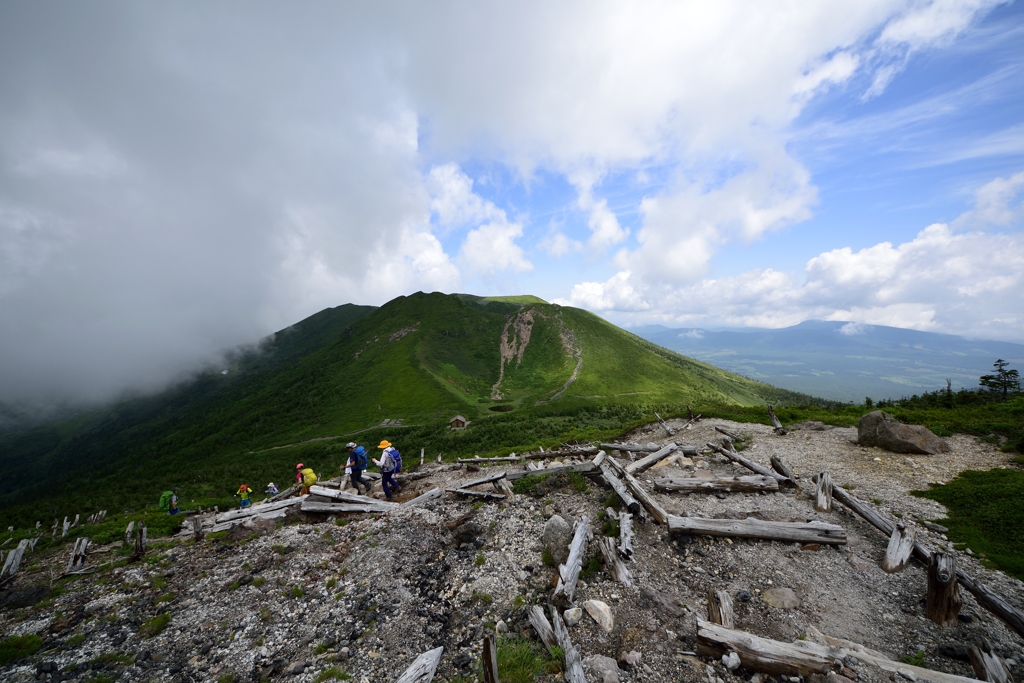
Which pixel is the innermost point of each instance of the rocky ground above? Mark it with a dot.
(363, 596)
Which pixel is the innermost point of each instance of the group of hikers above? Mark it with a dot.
(390, 464)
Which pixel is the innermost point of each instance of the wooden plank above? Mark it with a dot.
(806, 532)
(422, 670)
(615, 566)
(422, 498)
(477, 494)
(652, 459)
(900, 550)
(342, 496)
(573, 665)
(329, 508)
(720, 608)
(569, 573)
(747, 484)
(542, 626)
(638, 491)
(583, 468)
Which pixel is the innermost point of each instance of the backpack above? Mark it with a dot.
(308, 477)
(165, 500)
(361, 461)
(398, 459)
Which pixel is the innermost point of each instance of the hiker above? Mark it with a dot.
(169, 502)
(272, 489)
(357, 462)
(174, 503)
(244, 491)
(388, 465)
(305, 477)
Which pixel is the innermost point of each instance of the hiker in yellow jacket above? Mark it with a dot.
(244, 491)
(304, 477)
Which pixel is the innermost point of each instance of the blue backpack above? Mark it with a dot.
(360, 458)
(398, 459)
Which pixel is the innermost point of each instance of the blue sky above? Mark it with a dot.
(180, 179)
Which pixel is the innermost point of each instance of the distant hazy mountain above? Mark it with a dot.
(842, 361)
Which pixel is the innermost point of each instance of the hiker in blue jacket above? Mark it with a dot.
(389, 465)
(357, 462)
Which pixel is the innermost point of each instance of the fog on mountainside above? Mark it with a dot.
(842, 361)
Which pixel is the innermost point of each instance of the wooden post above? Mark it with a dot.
(67, 525)
(197, 529)
(943, 600)
(615, 566)
(569, 573)
(422, 670)
(77, 559)
(775, 422)
(542, 626)
(573, 665)
(987, 664)
(823, 499)
(900, 550)
(720, 608)
(129, 533)
(490, 661)
(422, 453)
(625, 534)
(671, 432)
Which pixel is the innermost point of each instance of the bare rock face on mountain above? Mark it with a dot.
(880, 429)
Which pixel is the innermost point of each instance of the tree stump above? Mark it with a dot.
(197, 529)
(943, 600)
(720, 608)
(490, 661)
(823, 499)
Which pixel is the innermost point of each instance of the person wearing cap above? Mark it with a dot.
(357, 462)
(243, 492)
(388, 467)
(304, 477)
(272, 489)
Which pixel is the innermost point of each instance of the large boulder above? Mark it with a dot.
(556, 538)
(881, 429)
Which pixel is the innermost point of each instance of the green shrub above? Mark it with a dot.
(297, 591)
(522, 661)
(226, 678)
(914, 660)
(578, 482)
(480, 560)
(593, 566)
(333, 672)
(259, 581)
(527, 486)
(154, 626)
(547, 558)
(14, 648)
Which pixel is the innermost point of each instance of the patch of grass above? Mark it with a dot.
(522, 661)
(154, 626)
(279, 549)
(484, 598)
(547, 558)
(592, 567)
(170, 596)
(985, 514)
(611, 528)
(578, 482)
(158, 584)
(112, 658)
(914, 660)
(75, 640)
(876, 501)
(478, 504)
(265, 613)
(100, 678)
(332, 673)
(518, 601)
(527, 486)
(480, 560)
(332, 582)
(848, 487)
(259, 581)
(14, 648)
(226, 678)
(612, 501)
(297, 592)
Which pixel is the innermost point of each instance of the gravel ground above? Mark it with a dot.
(293, 600)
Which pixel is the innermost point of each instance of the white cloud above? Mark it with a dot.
(492, 248)
(997, 203)
(453, 200)
(615, 294)
(557, 244)
(854, 329)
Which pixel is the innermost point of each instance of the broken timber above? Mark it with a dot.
(733, 484)
(988, 666)
(345, 497)
(77, 560)
(334, 508)
(422, 670)
(583, 468)
(651, 460)
(803, 657)
(542, 626)
(620, 489)
(943, 598)
(823, 496)
(569, 573)
(573, 665)
(422, 498)
(752, 466)
(490, 661)
(651, 505)
(625, 534)
(732, 436)
(775, 422)
(671, 432)
(808, 532)
(464, 489)
(616, 567)
(720, 608)
(901, 547)
(261, 509)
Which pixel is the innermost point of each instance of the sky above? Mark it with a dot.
(177, 179)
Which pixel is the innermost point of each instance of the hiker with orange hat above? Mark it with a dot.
(390, 464)
(244, 492)
(304, 477)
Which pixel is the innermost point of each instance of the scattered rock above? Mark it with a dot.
(731, 661)
(501, 627)
(605, 668)
(467, 532)
(601, 613)
(672, 606)
(781, 598)
(880, 429)
(556, 538)
(572, 616)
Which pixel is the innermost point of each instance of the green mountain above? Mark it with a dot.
(521, 370)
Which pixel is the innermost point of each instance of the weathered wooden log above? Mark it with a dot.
(900, 550)
(752, 466)
(631, 503)
(77, 560)
(477, 460)
(984, 595)
(631, 447)
(265, 507)
(823, 497)
(67, 525)
(140, 541)
(988, 666)
(489, 660)
(281, 495)
(422, 498)
(483, 480)
(781, 467)
(638, 491)
(583, 468)
(569, 573)
(720, 608)
(335, 508)
(334, 494)
(197, 529)
(503, 487)
(943, 599)
(733, 484)
(542, 626)
(694, 419)
(652, 459)
(775, 422)
(806, 532)
(617, 569)
(626, 534)
(422, 670)
(573, 665)
(477, 494)
(734, 437)
(671, 432)
(13, 561)
(270, 514)
(129, 533)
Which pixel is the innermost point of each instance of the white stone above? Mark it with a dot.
(601, 613)
(501, 626)
(731, 661)
(572, 616)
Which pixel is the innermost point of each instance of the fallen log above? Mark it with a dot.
(899, 551)
(671, 432)
(476, 460)
(482, 480)
(503, 487)
(631, 503)
(734, 437)
(333, 508)
(732, 484)
(625, 534)
(750, 465)
(224, 526)
(720, 608)
(583, 468)
(477, 494)
(422, 670)
(988, 666)
(943, 598)
(261, 508)
(652, 459)
(542, 626)
(336, 495)
(775, 422)
(573, 665)
(806, 532)
(282, 495)
(638, 491)
(569, 573)
(823, 496)
(422, 498)
(631, 447)
(617, 569)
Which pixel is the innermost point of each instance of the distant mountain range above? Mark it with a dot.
(840, 360)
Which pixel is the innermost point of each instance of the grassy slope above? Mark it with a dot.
(309, 382)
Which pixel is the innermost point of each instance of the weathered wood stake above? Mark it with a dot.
(720, 608)
(573, 665)
(569, 573)
(988, 666)
(900, 550)
(490, 661)
(542, 626)
(943, 599)
(422, 670)
(823, 498)
(616, 567)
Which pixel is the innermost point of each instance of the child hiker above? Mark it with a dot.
(388, 466)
